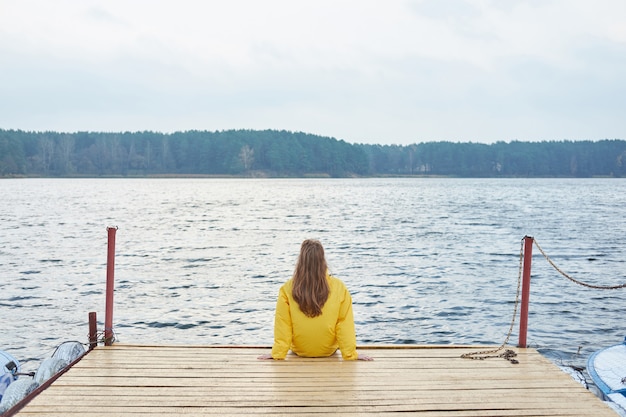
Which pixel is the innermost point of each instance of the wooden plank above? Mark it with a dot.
(415, 403)
(114, 411)
(158, 380)
(285, 399)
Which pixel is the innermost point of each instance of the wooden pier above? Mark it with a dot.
(128, 380)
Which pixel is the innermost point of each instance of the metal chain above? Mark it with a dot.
(100, 339)
(584, 284)
(508, 354)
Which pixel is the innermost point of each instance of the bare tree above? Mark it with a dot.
(46, 151)
(65, 151)
(246, 155)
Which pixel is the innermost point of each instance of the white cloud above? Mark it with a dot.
(365, 71)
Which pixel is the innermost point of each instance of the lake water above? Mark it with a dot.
(200, 261)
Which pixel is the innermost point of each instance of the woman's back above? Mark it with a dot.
(314, 311)
(315, 336)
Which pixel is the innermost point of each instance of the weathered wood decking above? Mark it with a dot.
(125, 380)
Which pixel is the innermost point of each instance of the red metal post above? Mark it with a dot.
(93, 330)
(108, 318)
(523, 322)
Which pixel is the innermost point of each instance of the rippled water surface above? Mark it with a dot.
(200, 261)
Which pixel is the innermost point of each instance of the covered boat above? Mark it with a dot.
(607, 368)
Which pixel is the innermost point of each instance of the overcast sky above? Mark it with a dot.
(366, 71)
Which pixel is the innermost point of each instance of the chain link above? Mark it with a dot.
(584, 284)
(508, 354)
(100, 339)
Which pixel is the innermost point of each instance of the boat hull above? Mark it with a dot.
(607, 368)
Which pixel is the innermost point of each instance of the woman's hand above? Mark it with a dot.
(265, 356)
(364, 358)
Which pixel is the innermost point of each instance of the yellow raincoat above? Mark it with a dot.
(315, 336)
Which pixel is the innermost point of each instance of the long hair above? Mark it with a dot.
(310, 287)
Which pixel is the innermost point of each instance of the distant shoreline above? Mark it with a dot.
(208, 176)
(284, 154)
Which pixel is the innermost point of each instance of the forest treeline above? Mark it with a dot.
(274, 153)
